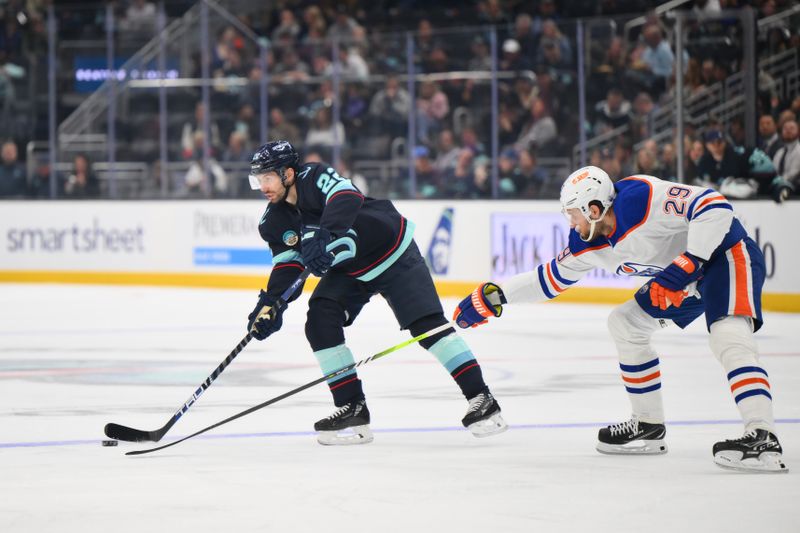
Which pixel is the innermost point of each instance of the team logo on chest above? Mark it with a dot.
(290, 238)
(638, 269)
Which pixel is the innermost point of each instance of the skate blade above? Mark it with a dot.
(346, 437)
(488, 426)
(638, 447)
(767, 463)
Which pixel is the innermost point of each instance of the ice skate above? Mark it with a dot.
(347, 425)
(632, 438)
(757, 451)
(483, 416)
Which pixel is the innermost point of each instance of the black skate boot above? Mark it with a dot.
(483, 416)
(757, 451)
(347, 425)
(632, 438)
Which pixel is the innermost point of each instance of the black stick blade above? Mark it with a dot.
(115, 431)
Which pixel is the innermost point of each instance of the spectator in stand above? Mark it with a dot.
(785, 116)
(508, 123)
(694, 154)
(437, 60)
(245, 123)
(668, 163)
(81, 183)
(492, 12)
(693, 81)
(432, 108)
(787, 158)
(196, 183)
(447, 152)
(12, 173)
(552, 36)
(190, 129)
(288, 31)
(547, 10)
(508, 171)
(539, 130)
(480, 59)
(523, 34)
(770, 140)
(707, 73)
(282, 129)
(512, 58)
(612, 112)
(622, 154)
(460, 180)
(238, 150)
(351, 63)
(390, 106)
(736, 131)
(655, 61)
(609, 164)
(469, 140)
(291, 68)
(344, 27)
(428, 180)
(323, 133)
(643, 108)
(531, 177)
(354, 110)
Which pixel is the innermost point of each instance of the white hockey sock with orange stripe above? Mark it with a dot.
(631, 329)
(733, 344)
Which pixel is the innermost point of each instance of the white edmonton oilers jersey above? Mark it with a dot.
(656, 221)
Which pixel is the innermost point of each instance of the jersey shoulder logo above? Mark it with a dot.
(637, 269)
(302, 175)
(264, 217)
(290, 238)
(563, 255)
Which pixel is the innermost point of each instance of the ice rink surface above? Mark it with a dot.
(73, 358)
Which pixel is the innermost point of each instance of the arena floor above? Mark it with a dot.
(73, 358)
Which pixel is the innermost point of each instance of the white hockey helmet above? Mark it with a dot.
(584, 186)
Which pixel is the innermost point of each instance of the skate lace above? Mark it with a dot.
(747, 436)
(339, 412)
(629, 426)
(476, 402)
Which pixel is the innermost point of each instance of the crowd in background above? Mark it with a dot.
(628, 78)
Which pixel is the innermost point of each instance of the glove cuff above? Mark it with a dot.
(687, 262)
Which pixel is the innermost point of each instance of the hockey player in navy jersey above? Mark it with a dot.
(360, 247)
(700, 260)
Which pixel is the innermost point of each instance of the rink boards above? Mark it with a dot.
(216, 244)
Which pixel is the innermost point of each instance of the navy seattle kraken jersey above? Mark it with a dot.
(326, 199)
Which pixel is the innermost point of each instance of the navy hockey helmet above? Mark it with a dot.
(273, 156)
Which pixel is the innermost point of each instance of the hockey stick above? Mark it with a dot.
(301, 388)
(119, 432)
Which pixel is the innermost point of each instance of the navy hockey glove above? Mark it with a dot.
(474, 310)
(313, 249)
(668, 286)
(780, 189)
(266, 318)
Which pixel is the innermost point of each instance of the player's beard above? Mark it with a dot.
(280, 196)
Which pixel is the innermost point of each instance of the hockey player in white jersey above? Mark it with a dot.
(700, 259)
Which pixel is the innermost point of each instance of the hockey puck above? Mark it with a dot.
(110, 443)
